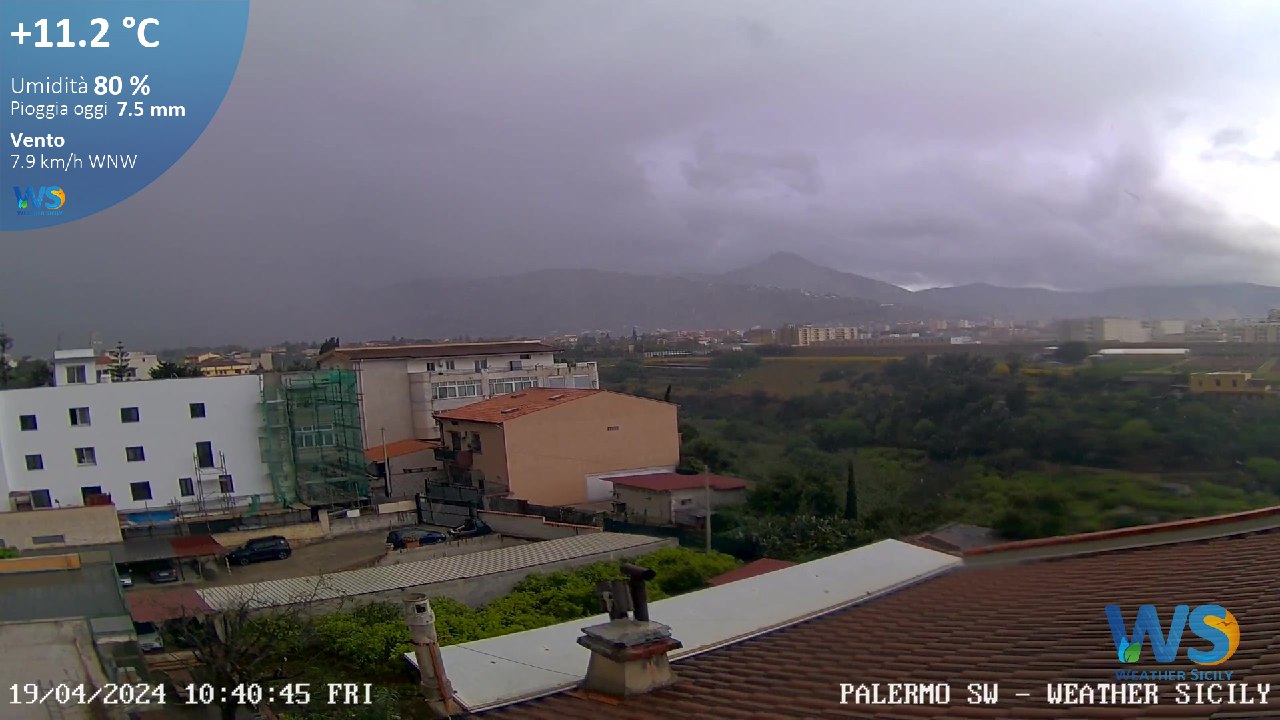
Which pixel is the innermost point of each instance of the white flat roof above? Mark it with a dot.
(277, 593)
(1144, 351)
(486, 674)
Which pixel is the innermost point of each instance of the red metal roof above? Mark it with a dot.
(670, 482)
(399, 448)
(499, 409)
(196, 546)
(750, 570)
(1022, 625)
(147, 606)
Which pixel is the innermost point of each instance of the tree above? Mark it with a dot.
(850, 495)
(119, 367)
(329, 345)
(1014, 362)
(166, 370)
(1071, 352)
(6, 343)
(32, 373)
(242, 644)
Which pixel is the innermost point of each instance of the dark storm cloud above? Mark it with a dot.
(922, 142)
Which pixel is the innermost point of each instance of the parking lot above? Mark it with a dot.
(327, 556)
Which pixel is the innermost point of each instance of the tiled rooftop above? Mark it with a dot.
(399, 448)
(440, 350)
(501, 408)
(1021, 625)
(275, 593)
(669, 482)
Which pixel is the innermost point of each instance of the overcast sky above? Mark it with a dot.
(1071, 144)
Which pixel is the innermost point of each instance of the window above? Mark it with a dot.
(225, 484)
(79, 416)
(526, 356)
(86, 456)
(431, 367)
(89, 491)
(47, 539)
(510, 385)
(450, 390)
(129, 415)
(448, 365)
(312, 436)
(35, 462)
(27, 422)
(134, 454)
(475, 442)
(204, 454)
(75, 375)
(197, 410)
(611, 428)
(186, 488)
(41, 499)
(140, 490)
(686, 501)
(517, 365)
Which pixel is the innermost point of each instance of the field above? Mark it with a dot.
(791, 376)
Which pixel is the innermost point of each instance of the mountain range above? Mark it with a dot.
(782, 288)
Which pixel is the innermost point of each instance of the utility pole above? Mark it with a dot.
(386, 465)
(706, 521)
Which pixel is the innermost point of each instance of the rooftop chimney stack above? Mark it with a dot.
(628, 654)
(434, 684)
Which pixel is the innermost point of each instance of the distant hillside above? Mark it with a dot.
(792, 272)
(567, 301)
(978, 300)
(1233, 300)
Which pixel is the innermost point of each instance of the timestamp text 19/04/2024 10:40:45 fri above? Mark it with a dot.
(190, 694)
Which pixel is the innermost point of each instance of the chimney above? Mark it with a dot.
(434, 684)
(628, 653)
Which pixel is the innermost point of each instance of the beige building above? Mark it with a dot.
(402, 386)
(1100, 329)
(674, 499)
(29, 528)
(558, 447)
(812, 335)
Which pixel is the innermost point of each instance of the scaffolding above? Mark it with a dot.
(310, 438)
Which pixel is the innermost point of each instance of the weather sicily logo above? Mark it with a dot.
(1213, 624)
(45, 200)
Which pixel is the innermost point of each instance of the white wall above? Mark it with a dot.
(166, 432)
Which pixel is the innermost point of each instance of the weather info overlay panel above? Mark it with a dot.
(101, 97)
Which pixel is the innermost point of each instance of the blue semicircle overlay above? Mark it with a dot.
(100, 98)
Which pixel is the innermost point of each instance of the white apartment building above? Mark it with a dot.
(811, 335)
(189, 443)
(1100, 329)
(401, 387)
(86, 367)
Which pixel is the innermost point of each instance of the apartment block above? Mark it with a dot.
(1100, 329)
(158, 445)
(804, 335)
(402, 387)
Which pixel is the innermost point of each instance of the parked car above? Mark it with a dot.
(164, 575)
(149, 640)
(471, 528)
(274, 547)
(397, 538)
(126, 579)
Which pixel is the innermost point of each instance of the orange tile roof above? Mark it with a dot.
(750, 570)
(399, 448)
(441, 350)
(499, 409)
(1023, 625)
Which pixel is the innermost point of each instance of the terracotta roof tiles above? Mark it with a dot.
(669, 482)
(439, 350)
(1021, 625)
(501, 408)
